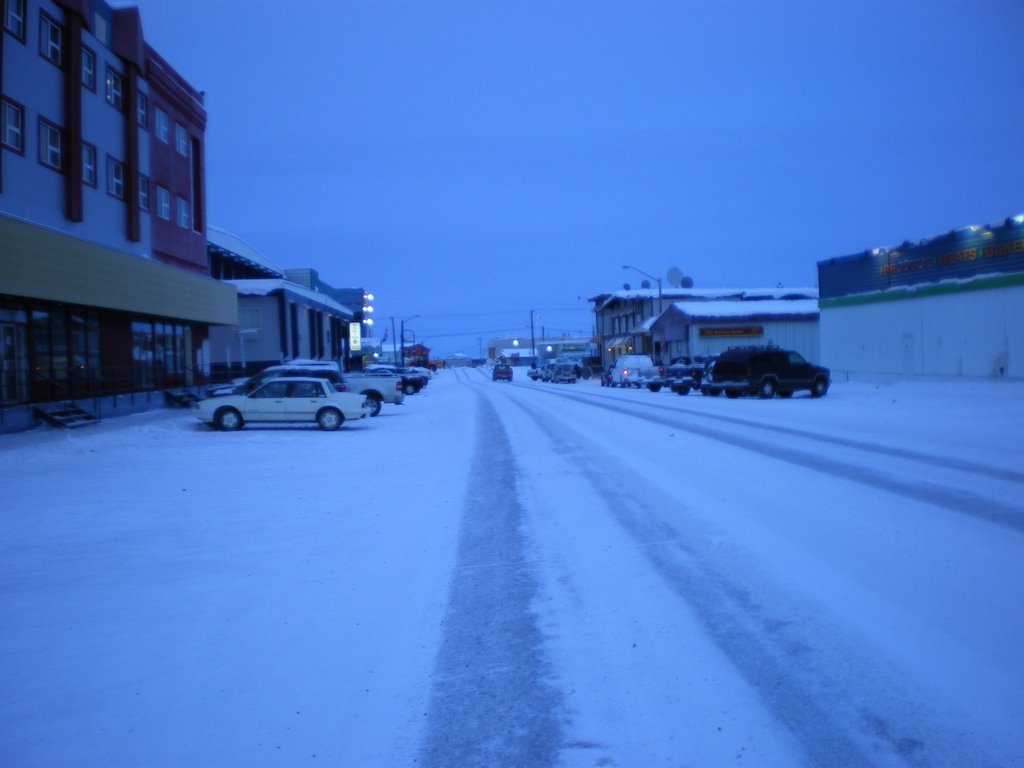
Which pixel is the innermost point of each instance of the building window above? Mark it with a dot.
(51, 145)
(142, 111)
(143, 192)
(115, 89)
(183, 213)
(14, 127)
(89, 164)
(181, 139)
(115, 178)
(88, 69)
(249, 318)
(163, 203)
(14, 18)
(51, 40)
(161, 124)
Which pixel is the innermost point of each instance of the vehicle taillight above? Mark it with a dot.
(341, 387)
(398, 385)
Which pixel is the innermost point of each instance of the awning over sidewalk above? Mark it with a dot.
(39, 263)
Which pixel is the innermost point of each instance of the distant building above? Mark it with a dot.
(952, 305)
(282, 314)
(677, 322)
(104, 294)
(518, 350)
(707, 327)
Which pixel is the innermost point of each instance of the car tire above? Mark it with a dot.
(228, 419)
(654, 387)
(409, 389)
(374, 403)
(732, 394)
(682, 390)
(819, 388)
(767, 389)
(330, 419)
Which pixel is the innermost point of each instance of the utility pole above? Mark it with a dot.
(533, 342)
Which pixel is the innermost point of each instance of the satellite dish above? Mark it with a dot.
(645, 283)
(686, 282)
(675, 276)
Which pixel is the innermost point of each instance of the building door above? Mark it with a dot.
(12, 366)
(907, 349)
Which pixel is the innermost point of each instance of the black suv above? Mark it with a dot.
(765, 372)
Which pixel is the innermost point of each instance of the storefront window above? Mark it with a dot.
(142, 354)
(13, 355)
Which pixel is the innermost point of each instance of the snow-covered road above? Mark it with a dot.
(524, 574)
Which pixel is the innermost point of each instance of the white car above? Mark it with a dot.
(303, 400)
(633, 371)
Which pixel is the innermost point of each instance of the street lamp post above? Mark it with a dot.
(403, 336)
(533, 344)
(657, 279)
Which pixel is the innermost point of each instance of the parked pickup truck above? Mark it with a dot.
(378, 386)
(676, 377)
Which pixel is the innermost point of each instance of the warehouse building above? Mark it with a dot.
(952, 305)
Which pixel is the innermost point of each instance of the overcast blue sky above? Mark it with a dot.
(470, 161)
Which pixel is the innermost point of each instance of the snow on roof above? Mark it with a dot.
(762, 308)
(234, 245)
(705, 294)
(268, 286)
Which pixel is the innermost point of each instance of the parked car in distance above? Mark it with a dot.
(298, 400)
(534, 373)
(765, 372)
(694, 367)
(679, 378)
(501, 372)
(564, 372)
(412, 380)
(633, 371)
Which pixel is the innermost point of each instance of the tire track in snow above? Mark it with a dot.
(842, 706)
(491, 704)
(955, 500)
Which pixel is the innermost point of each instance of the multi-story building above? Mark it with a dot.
(104, 286)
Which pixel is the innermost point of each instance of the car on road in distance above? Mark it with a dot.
(765, 372)
(534, 373)
(292, 399)
(564, 372)
(501, 372)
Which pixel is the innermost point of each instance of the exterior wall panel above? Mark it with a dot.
(975, 333)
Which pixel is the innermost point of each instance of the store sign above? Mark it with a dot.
(747, 330)
(355, 337)
(960, 255)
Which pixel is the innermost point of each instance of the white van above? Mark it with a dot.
(633, 371)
